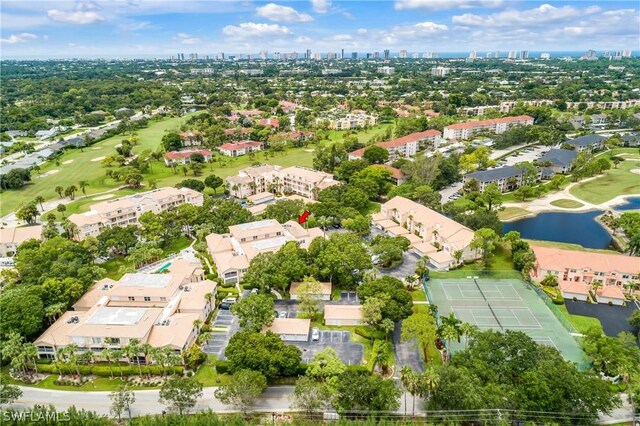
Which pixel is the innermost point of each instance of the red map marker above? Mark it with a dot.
(303, 217)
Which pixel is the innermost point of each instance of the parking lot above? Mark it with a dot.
(406, 268)
(350, 353)
(288, 306)
(220, 340)
(349, 298)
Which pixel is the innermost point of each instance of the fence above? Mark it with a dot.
(554, 308)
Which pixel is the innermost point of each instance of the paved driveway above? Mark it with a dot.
(614, 319)
(220, 340)
(288, 306)
(349, 352)
(407, 267)
(406, 353)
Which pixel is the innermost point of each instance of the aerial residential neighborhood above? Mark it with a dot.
(316, 212)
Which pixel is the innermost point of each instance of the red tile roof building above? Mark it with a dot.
(404, 147)
(468, 129)
(240, 148)
(184, 157)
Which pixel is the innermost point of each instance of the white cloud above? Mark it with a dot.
(348, 15)
(445, 4)
(184, 38)
(251, 29)
(18, 38)
(78, 17)
(420, 29)
(20, 21)
(135, 26)
(278, 13)
(543, 14)
(321, 6)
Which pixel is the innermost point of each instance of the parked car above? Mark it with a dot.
(226, 303)
(315, 334)
(283, 314)
(254, 291)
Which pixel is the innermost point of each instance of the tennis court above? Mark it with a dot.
(503, 304)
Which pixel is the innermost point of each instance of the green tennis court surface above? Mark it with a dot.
(503, 304)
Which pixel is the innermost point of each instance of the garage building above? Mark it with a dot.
(343, 315)
(291, 329)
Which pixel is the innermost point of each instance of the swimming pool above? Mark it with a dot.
(164, 267)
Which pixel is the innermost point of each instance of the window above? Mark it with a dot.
(131, 298)
(255, 237)
(96, 340)
(572, 270)
(625, 276)
(147, 299)
(242, 240)
(163, 299)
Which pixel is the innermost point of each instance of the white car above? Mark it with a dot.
(315, 334)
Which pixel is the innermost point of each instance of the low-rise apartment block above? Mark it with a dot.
(577, 272)
(11, 238)
(351, 121)
(160, 309)
(467, 130)
(194, 138)
(184, 157)
(443, 241)
(558, 160)
(589, 143)
(126, 210)
(236, 149)
(404, 147)
(233, 252)
(507, 178)
(276, 179)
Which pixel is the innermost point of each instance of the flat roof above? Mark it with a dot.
(146, 280)
(116, 316)
(256, 225)
(269, 244)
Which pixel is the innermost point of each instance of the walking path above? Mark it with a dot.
(544, 204)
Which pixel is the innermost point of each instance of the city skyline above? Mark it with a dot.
(158, 28)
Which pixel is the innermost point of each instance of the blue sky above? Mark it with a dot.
(141, 28)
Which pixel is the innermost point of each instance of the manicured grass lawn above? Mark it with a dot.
(418, 295)
(614, 182)
(208, 376)
(581, 323)
(565, 203)
(512, 212)
(97, 384)
(82, 168)
(363, 135)
(499, 262)
(567, 246)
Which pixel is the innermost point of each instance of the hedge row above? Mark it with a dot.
(105, 371)
(224, 367)
(369, 333)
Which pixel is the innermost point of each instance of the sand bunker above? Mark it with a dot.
(102, 197)
(97, 147)
(67, 162)
(98, 159)
(636, 171)
(49, 173)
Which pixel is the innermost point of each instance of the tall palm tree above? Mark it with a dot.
(428, 382)
(117, 355)
(406, 374)
(31, 354)
(133, 350)
(39, 200)
(59, 190)
(380, 359)
(107, 356)
(146, 350)
(449, 332)
(83, 185)
(468, 330)
(72, 356)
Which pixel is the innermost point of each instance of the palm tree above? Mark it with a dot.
(146, 350)
(172, 358)
(39, 200)
(406, 375)
(107, 356)
(159, 357)
(133, 350)
(428, 381)
(380, 359)
(117, 355)
(197, 323)
(83, 185)
(59, 190)
(411, 281)
(457, 255)
(449, 332)
(467, 330)
(30, 353)
(596, 285)
(72, 356)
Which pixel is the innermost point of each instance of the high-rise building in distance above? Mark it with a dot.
(512, 54)
(308, 54)
(354, 55)
(403, 54)
(386, 54)
(440, 71)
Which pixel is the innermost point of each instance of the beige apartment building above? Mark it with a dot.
(404, 147)
(276, 179)
(126, 210)
(233, 252)
(467, 130)
(11, 238)
(578, 271)
(431, 234)
(160, 309)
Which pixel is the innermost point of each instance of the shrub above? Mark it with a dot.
(228, 285)
(248, 286)
(222, 367)
(211, 277)
(369, 333)
(358, 368)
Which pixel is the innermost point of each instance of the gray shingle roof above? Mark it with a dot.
(559, 157)
(586, 140)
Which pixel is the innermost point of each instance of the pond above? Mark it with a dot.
(575, 228)
(565, 227)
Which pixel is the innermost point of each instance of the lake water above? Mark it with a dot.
(576, 228)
